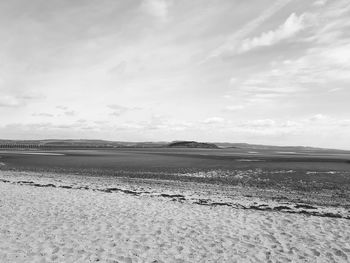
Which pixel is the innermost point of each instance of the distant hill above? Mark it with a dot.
(81, 144)
(192, 144)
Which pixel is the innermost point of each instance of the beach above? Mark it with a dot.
(52, 224)
(165, 131)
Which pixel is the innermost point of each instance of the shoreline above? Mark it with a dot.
(194, 193)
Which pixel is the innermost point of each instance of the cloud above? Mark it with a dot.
(214, 120)
(164, 123)
(234, 107)
(70, 113)
(233, 81)
(119, 109)
(262, 88)
(156, 8)
(320, 2)
(66, 110)
(42, 114)
(230, 45)
(121, 52)
(15, 100)
(318, 117)
(10, 101)
(119, 69)
(320, 65)
(335, 89)
(61, 107)
(82, 120)
(264, 123)
(323, 63)
(293, 25)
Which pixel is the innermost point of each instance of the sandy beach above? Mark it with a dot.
(169, 131)
(41, 224)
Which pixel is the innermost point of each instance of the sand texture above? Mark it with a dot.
(39, 224)
(242, 197)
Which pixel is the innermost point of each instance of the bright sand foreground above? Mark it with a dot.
(76, 225)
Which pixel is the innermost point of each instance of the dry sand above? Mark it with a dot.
(70, 225)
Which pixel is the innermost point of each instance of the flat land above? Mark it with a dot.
(309, 170)
(311, 176)
(174, 205)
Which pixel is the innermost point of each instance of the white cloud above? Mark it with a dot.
(70, 113)
(324, 63)
(318, 117)
(232, 41)
(318, 66)
(335, 89)
(119, 109)
(233, 81)
(320, 2)
(265, 123)
(156, 8)
(213, 120)
(66, 110)
(293, 25)
(234, 108)
(123, 53)
(9, 101)
(61, 107)
(42, 114)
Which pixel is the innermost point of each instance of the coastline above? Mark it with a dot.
(236, 197)
(77, 225)
(69, 218)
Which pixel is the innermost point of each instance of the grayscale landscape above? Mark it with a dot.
(145, 202)
(161, 131)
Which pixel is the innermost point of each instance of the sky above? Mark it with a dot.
(257, 71)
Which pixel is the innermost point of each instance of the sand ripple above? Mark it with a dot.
(68, 225)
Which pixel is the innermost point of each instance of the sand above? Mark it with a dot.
(39, 224)
(318, 204)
